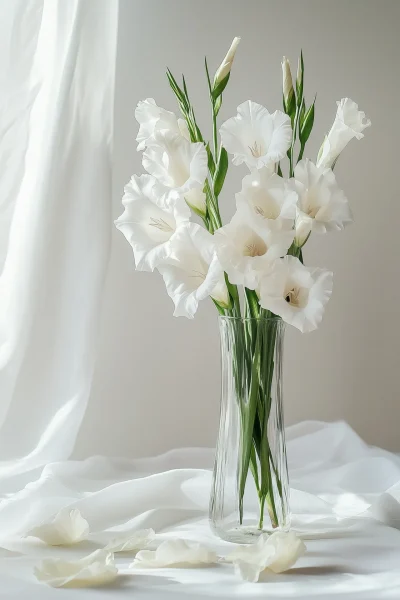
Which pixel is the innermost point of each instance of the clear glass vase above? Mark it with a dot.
(250, 488)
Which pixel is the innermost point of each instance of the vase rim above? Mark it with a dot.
(230, 318)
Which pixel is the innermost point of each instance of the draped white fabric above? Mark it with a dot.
(345, 499)
(57, 63)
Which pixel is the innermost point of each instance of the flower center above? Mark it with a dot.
(309, 204)
(269, 212)
(296, 296)
(160, 224)
(256, 149)
(198, 274)
(255, 247)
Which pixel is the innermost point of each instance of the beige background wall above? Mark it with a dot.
(157, 380)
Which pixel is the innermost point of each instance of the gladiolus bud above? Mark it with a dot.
(300, 80)
(225, 67)
(196, 199)
(289, 100)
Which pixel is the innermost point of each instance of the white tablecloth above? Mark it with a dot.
(345, 501)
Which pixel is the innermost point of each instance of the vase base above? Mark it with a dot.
(242, 534)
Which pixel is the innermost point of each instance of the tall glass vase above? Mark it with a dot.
(250, 488)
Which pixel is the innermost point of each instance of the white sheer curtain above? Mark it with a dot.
(57, 63)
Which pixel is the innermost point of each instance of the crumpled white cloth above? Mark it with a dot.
(345, 500)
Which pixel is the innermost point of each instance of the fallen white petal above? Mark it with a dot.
(132, 542)
(96, 569)
(67, 527)
(277, 552)
(175, 553)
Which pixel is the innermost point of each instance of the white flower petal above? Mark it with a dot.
(288, 549)
(132, 542)
(255, 136)
(277, 552)
(175, 553)
(270, 198)
(349, 123)
(151, 218)
(152, 118)
(191, 271)
(247, 246)
(175, 162)
(96, 569)
(67, 527)
(296, 293)
(322, 205)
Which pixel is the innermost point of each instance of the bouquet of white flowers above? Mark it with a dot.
(252, 268)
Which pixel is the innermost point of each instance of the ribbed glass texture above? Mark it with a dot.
(250, 488)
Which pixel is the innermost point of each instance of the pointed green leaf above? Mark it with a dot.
(307, 126)
(219, 88)
(220, 172)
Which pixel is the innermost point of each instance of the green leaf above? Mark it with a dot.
(289, 105)
(308, 122)
(208, 76)
(176, 89)
(220, 172)
(211, 163)
(302, 113)
(217, 105)
(219, 88)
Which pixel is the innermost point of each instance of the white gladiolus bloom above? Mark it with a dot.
(151, 218)
(192, 271)
(270, 198)
(277, 552)
(152, 118)
(247, 247)
(196, 199)
(175, 162)
(255, 136)
(91, 571)
(67, 527)
(349, 123)
(175, 553)
(296, 293)
(226, 65)
(322, 205)
(132, 541)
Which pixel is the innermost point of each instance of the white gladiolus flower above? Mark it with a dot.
(152, 118)
(175, 553)
(131, 542)
(255, 136)
(151, 218)
(322, 205)
(196, 199)
(91, 571)
(277, 552)
(349, 123)
(246, 247)
(296, 293)
(67, 527)
(226, 65)
(175, 162)
(270, 198)
(192, 271)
